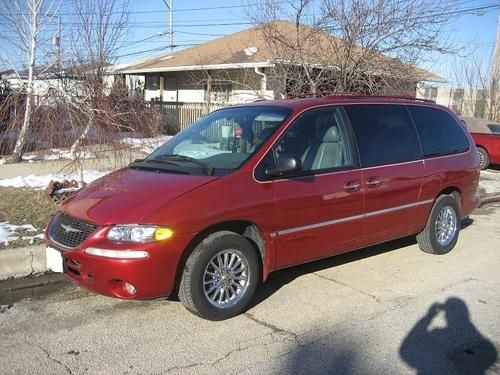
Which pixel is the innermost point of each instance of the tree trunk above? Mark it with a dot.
(21, 140)
(74, 151)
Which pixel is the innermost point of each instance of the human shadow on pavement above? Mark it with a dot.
(327, 355)
(457, 348)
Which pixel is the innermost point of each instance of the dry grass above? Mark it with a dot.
(25, 206)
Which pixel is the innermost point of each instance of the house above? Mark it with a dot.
(46, 79)
(236, 68)
(472, 102)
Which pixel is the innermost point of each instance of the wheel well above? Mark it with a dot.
(244, 228)
(455, 193)
(484, 148)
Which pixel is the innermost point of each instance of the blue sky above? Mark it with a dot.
(193, 23)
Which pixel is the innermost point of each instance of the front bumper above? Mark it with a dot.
(152, 277)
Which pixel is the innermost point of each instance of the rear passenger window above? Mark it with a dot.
(440, 134)
(385, 134)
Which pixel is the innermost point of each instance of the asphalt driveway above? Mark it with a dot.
(385, 309)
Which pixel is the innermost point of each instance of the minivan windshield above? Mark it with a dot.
(221, 141)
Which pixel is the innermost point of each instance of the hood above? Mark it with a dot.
(128, 195)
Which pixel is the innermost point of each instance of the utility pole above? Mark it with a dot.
(56, 41)
(170, 7)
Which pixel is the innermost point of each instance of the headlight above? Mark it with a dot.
(139, 233)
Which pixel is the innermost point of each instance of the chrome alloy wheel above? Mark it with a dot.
(481, 159)
(446, 225)
(226, 278)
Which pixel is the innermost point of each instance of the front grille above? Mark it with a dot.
(70, 231)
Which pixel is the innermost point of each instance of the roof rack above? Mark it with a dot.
(358, 95)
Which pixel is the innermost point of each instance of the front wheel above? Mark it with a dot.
(441, 231)
(220, 276)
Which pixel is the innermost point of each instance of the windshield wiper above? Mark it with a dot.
(176, 157)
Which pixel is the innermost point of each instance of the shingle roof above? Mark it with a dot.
(244, 48)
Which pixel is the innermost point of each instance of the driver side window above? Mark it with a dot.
(319, 139)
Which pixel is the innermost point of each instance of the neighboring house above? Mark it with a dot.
(464, 102)
(49, 79)
(236, 68)
(46, 79)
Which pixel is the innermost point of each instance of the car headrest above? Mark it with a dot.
(331, 134)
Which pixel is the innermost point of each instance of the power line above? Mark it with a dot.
(203, 34)
(157, 49)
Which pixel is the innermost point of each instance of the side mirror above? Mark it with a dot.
(285, 164)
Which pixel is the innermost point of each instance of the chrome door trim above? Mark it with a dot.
(349, 218)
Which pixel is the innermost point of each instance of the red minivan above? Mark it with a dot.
(251, 189)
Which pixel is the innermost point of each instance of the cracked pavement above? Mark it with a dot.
(354, 313)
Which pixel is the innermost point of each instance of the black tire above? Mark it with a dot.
(427, 240)
(484, 159)
(191, 289)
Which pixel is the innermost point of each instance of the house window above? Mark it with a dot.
(220, 92)
(430, 93)
(152, 82)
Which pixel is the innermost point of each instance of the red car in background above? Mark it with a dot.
(486, 135)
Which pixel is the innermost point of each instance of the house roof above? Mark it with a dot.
(247, 48)
(244, 48)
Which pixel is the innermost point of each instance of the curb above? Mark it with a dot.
(489, 200)
(22, 261)
(13, 290)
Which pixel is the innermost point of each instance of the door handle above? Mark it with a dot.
(352, 186)
(373, 182)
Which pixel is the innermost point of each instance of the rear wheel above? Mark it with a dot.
(441, 231)
(220, 276)
(484, 159)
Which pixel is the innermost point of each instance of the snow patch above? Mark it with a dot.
(2, 161)
(199, 151)
(29, 157)
(146, 145)
(489, 183)
(32, 239)
(9, 232)
(42, 181)
(56, 154)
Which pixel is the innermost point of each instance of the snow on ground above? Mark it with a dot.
(57, 154)
(146, 145)
(489, 183)
(42, 181)
(10, 232)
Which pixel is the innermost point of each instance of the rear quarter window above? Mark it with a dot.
(495, 128)
(440, 134)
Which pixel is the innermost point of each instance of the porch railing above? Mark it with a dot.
(178, 116)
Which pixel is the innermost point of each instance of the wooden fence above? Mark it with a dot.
(178, 116)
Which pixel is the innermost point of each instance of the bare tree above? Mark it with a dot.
(361, 45)
(27, 20)
(100, 26)
(477, 82)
